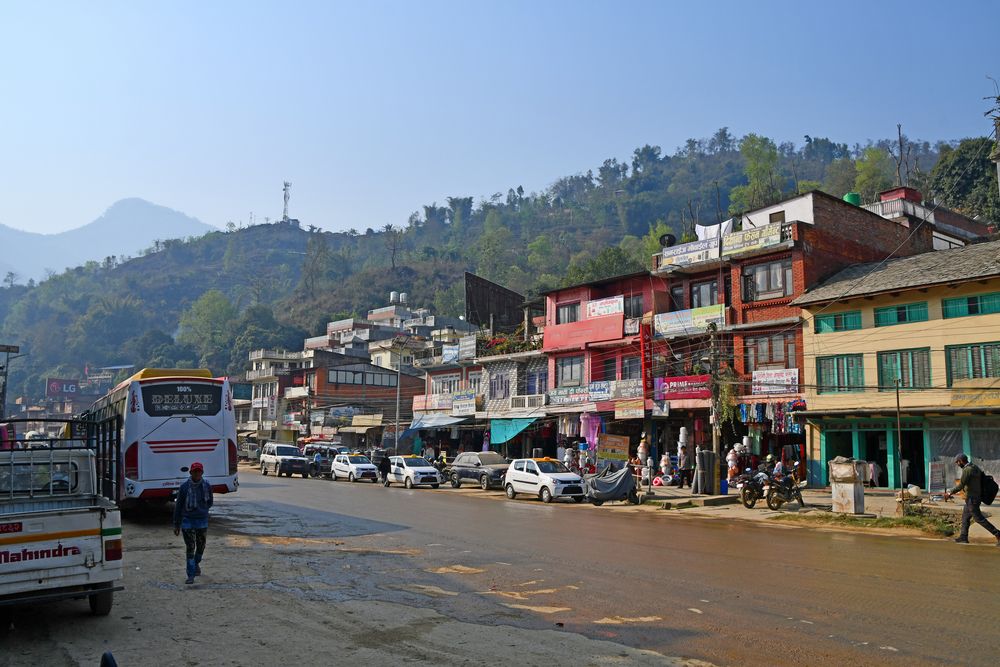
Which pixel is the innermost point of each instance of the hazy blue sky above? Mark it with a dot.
(372, 109)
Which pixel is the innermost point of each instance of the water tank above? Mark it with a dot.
(394, 297)
(853, 198)
(403, 297)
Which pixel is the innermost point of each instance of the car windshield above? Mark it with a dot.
(287, 451)
(418, 462)
(492, 458)
(358, 459)
(551, 466)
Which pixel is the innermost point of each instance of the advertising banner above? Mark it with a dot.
(569, 395)
(57, 388)
(464, 403)
(777, 381)
(690, 253)
(467, 347)
(751, 239)
(633, 408)
(449, 354)
(602, 307)
(612, 447)
(684, 386)
(695, 320)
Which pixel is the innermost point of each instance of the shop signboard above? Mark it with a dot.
(600, 391)
(464, 403)
(682, 387)
(695, 320)
(633, 408)
(467, 347)
(602, 307)
(420, 403)
(568, 395)
(439, 401)
(632, 326)
(775, 381)
(612, 447)
(978, 393)
(449, 354)
(259, 402)
(690, 253)
(937, 480)
(751, 239)
(610, 390)
(661, 409)
(272, 407)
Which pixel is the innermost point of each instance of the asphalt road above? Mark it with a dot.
(727, 592)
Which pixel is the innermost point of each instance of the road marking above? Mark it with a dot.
(696, 611)
(805, 621)
(540, 610)
(889, 648)
(529, 583)
(520, 595)
(432, 591)
(619, 620)
(456, 569)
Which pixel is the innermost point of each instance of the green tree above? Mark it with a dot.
(763, 186)
(610, 262)
(540, 254)
(207, 327)
(495, 249)
(965, 179)
(840, 177)
(875, 172)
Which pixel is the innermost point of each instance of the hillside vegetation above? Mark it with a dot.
(209, 300)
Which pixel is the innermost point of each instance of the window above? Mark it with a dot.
(349, 377)
(849, 321)
(569, 372)
(610, 368)
(909, 312)
(631, 368)
(776, 217)
(772, 280)
(475, 381)
(982, 304)
(445, 384)
(676, 298)
(537, 382)
(519, 466)
(568, 312)
(633, 306)
(500, 386)
(705, 294)
(842, 373)
(769, 352)
(911, 367)
(968, 362)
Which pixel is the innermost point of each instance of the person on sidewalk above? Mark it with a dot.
(384, 466)
(685, 463)
(194, 499)
(971, 482)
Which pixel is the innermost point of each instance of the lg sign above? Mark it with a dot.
(56, 388)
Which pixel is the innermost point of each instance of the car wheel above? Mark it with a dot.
(484, 482)
(100, 603)
(263, 469)
(510, 491)
(545, 495)
(305, 475)
(351, 477)
(408, 483)
(455, 481)
(597, 502)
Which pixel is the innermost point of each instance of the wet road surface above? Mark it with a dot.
(725, 592)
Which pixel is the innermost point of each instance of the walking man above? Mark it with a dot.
(686, 466)
(972, 483)
(194, 499)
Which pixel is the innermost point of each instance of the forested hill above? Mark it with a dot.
(209, 300)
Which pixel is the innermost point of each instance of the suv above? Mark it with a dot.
(283, 459)
(413, 471)
(485, 468)
(325, 465)
(354, 467)
(544, 478)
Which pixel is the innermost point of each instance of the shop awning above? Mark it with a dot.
(434, 420)
(502, 430)
(356, 429)
(243, 434)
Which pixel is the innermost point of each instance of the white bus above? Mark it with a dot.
(169, 419)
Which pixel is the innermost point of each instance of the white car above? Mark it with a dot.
(354, 467)
(543, 478)
(411, 471)
(283, 459)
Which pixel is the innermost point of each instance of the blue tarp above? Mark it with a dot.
(502, 430)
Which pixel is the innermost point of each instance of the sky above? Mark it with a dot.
(373, 109)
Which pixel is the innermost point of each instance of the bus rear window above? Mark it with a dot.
(181, 398)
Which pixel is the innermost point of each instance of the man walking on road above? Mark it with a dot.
(194, 499)
(972, 483)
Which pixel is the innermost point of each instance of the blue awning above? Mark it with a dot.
(502, 430)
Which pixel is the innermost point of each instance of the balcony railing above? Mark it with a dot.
(274, 354)
(750, 240)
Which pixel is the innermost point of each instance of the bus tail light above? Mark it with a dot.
(113, 549)
(232, 458)
(132, 461)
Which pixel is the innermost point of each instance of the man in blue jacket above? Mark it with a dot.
(194, 499)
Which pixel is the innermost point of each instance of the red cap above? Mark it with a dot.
(197, 466)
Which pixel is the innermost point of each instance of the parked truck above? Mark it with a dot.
(60, 529)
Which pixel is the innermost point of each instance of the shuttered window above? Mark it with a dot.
(848, 321)
(842, 373)
(968, 362)
(909, 312)
(981, 304)
(911, 367)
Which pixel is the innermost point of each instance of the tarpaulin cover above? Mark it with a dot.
(434, 420)
(502, 430)
(611, 485)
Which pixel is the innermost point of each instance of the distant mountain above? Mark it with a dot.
(127, 227)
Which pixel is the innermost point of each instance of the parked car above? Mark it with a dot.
(484, 468)
(354, 467)
(326, 453)
(411, 471)
(543, 478)
(283, 459)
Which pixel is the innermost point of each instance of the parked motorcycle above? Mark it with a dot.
(752, 486)
(785, 489)
(609, 485)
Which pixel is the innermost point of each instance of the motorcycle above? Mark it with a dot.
(752, 486)
(609, 485)
(785, 489)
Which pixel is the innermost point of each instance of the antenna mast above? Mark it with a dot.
(286, 190)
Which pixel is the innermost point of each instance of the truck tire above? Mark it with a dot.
(100, 603)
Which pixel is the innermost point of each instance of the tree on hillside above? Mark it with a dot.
(207, 326)
(840, 177)
(495, 252)
(393, 239)
(315, 264)
(459, 212)
(610, 262)
(761, 168)
(965, 179)
(875, 170)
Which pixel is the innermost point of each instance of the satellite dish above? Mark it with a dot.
(667, 240)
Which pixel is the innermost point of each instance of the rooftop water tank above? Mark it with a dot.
(853, 198)
(393, 297)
